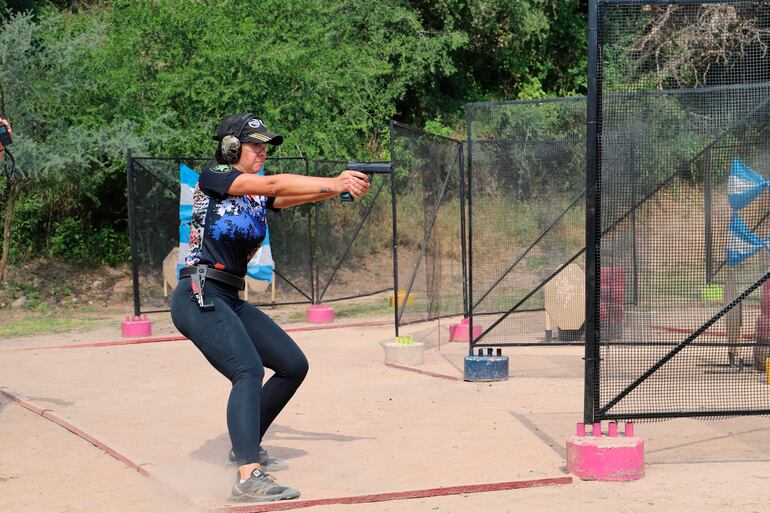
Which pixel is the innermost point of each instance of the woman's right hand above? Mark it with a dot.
(354, 182)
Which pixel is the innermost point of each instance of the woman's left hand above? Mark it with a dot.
(354, 182)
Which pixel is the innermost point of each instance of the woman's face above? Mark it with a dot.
(253, 157)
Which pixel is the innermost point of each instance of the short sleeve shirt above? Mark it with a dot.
(226, 231)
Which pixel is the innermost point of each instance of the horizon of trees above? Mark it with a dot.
(93, 78)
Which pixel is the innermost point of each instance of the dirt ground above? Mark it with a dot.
(356, 427)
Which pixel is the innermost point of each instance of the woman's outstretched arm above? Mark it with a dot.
(293, 201)
(297, 185)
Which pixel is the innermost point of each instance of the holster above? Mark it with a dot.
(197, 281)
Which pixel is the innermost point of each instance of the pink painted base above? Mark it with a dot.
(459, 332)
(320, 313)
(136, 326)
(606, 458)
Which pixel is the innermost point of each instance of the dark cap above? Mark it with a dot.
(247, 128)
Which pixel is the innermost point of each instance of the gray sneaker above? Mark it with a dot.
(261, 487)
(268, 464)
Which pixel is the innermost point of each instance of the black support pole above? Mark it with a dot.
(593, 221)
(463, 235)
(132, 231)
(469, 121)
(394, 220)
(310, 242)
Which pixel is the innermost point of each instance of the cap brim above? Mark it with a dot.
(263, 137)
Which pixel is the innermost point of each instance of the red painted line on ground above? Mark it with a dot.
(396, 496)
(339, 326)
(424, 372)
(174, 338)
(710, 333)
(16, 397)
(72, 428)
(105, 344)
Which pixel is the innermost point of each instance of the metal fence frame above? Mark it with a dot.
(594, 410)
(320, 291)
(472, 303)
(399, 307)
(317, 293)
(132, 224)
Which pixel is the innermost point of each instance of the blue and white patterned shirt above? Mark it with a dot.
(226, 230)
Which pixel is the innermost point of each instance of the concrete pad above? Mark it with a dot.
(44, 468)
(356, 427)
(351, 425)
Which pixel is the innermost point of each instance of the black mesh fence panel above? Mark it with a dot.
(683, 106)
(154, 190)
(291, 242)
(427, 171)
(354, 249)
(154, 222)
(527, 211)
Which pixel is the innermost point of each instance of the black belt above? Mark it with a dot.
(216, 275)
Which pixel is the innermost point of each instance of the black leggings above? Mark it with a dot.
(240, 341)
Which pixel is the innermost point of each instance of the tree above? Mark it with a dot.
(324, 73)
(516, 49)
(674, 46)
(41, 68)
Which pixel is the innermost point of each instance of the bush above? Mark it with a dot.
(76, 243)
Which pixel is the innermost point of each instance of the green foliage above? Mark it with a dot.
(436, 126)
(516, 49)
(58, 159)
(324, 74)
(84, 84)
(44, 321)
(75, 242)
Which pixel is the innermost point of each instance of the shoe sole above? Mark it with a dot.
(287, 495)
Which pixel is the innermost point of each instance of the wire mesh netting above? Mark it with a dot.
(427, 170)
(683, 112)
(354, 248)
(154, 211)
(527, 219)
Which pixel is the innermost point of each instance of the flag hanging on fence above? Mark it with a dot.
(742, 242)
(187, 181)
(260, 266)
(744, 185)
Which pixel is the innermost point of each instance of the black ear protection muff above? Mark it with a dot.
(230, 145)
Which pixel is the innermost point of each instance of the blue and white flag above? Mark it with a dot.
(742, 242)
(261, 264)
(260, 267)
(744, 185)
(188, 179)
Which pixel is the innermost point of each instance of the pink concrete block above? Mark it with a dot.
(608, 458)
(459, 332)
(136, 326)
(320, 313)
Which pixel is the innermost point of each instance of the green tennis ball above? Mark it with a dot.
(712, 293)
(404, 340)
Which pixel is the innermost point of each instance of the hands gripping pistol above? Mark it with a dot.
(369, 168)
